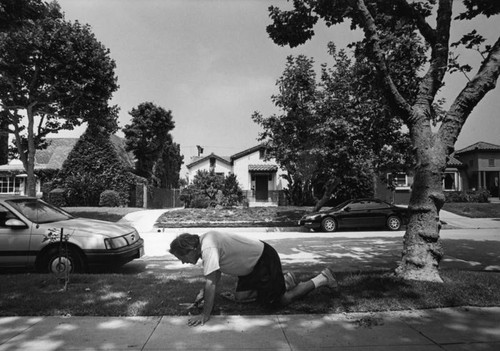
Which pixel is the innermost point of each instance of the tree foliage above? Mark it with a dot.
(149, 138)
(166, 170)
(92, 167)
(54, 75)
(415, 107)
(333, 133)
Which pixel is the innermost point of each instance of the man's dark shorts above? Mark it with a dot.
(266, 278)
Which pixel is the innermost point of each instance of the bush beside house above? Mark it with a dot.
(110, 198)
(211, 190)
(478, 196)
(91, 168)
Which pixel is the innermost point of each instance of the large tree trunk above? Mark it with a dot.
(4, 142)
(30, 165)
(422, 250)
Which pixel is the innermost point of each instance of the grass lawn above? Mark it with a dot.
(474, 210)
(253, 216)
(147, 294)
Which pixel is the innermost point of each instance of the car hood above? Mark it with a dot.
(312, 214)
(84, 226)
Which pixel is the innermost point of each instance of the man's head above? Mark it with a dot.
(186, 247)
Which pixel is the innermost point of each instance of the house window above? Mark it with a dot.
(450, 181)
(10, 185)
(212, 163)
(491, 162)
(398, 180)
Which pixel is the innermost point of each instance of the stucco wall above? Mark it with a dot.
(240, 168)
(220, 167)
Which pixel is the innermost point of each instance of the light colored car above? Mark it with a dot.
(36, 234)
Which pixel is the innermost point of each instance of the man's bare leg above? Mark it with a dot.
(325, 278)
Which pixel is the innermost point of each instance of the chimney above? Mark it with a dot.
(200, 150)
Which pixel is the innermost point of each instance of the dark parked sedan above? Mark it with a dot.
(36, 234)
(358, 213)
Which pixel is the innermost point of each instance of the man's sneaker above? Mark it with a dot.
(290, 280)
(331, 282)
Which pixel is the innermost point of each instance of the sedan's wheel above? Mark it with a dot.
(62, 262)
(393, 223)
(328, 224)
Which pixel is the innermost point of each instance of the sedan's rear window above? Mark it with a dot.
(38, 211)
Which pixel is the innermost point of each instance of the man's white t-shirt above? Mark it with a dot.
(231, 253)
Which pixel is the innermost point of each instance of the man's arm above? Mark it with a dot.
(211, 282)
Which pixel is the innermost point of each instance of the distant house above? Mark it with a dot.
(472, 168)
(259, 177)
(13, 176)
(219, 165)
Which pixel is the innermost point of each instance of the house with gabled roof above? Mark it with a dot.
(213, 163)
(258, 176)
(474, 167)
(13, 176)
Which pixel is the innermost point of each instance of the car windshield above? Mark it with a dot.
(341, 205)
(38, 211)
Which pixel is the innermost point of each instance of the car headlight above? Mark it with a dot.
(115, 243)
(121, 241)
(312, 217)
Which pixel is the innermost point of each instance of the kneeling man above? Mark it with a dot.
(255, 263)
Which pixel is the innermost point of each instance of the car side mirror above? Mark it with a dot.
(15, 223)
(347, 209)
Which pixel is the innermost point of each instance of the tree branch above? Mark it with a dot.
(433, 79)
(425, 29)
(484, 81)
(399, 103)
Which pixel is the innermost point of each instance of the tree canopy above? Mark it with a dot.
(429, 21)
(54, 75)
(148, 137)
(333, 133)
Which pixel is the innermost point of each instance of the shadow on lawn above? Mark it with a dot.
(362, 266)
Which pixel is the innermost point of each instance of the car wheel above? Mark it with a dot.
(60, 262)
(328, 224)
(393, 223)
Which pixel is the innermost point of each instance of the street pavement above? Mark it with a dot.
(469, 244)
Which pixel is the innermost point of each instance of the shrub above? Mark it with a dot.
(57, 197)
(212, 190)
(110, 198)
(92, 167)
(199, 201)
(481, 195)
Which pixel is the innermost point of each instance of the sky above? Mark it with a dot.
(212, 63)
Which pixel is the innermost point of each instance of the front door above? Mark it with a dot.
(261, 187)
(492, 183)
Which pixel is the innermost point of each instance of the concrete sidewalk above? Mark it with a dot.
(438, 329)
(469, 223)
